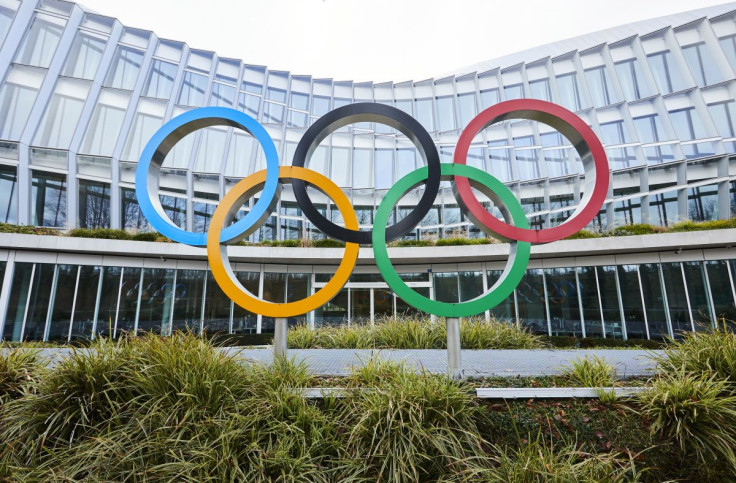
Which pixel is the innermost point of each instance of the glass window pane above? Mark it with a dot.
(17, 96)
(721, 291)
(539, 89)
(84, 57)
(531, 301)
(108, 301)
(125, 68)
(48, 194)
(40, 43)
(589, 297)
(600, 86)
(188, 298)
(632, 80)
(362, 168)
(489, 97)
(653, 300)
(222, 95)
(18, 299)
(94, 204)
(466, 103)
(193, 89)
(567, 85)
(423, 110)
(245, 322)
(217, 308)
(445, 113)
(728, 44)
(702, 203)
(666, 73)
(698, 294)
(445, 287)
(107, 120)
(334, 312)
(513, 91)
(129, 293)
(631, 297)
(132, 215)
(562, 295)
(676, 298)
(506, 310)
(687, 124)
(384, 168)
(61, 314)
(609, 301)
(702, 64)
(7, 12)
(8, 195)
(471, 285)
(156, 299)
(724, 117)
(84, 310)
(62, 114)
(160, 80)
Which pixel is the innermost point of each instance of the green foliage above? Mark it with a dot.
(146, 236)
(411, 243)
(539, 460)
(327, 243)
(443, 242)
(591, 372)
(691, 410)
(583, 234)
(26, 230)
(106, 233)
(708, 353)
(703, 225)
(413, 333)
(410, 427)
(599, 342)
(636, 229)
(20, 370)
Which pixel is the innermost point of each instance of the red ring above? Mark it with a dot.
(575, 130)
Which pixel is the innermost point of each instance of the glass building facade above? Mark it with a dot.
(81, 94)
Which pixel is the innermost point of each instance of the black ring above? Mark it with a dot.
(368, 112)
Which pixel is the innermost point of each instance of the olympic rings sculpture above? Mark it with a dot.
(514, 229)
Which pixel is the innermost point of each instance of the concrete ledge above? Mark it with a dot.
(552, 392)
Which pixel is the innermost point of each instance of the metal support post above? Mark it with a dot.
(279, 337)
(453, 347)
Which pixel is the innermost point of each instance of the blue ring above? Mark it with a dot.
(164, 140)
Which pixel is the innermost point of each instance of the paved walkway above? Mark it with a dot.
(475, 363)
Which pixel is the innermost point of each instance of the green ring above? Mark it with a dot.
(512, 274)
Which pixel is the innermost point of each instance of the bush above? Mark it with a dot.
(413, 333)
(636, 229)
(411, 243)
(327, 243)
(583, 234)
(703, 353)
(412, 427)
(20, 370)
(146, 236)
(703, 225)
(690, 410)
(106, 233)
(443, 242)
(538, 460)
(591, 372)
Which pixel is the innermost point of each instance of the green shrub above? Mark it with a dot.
(702, 353)
(636, 229)
(26, 230)
(539, 460)
(146, 236)
(327, 243)
(411, 243)
(106, 233)
(477, 333)
(591, 372)
(411, 427)
(583, 234)
(703, 225)
(20, 370)
(691, 410)
(443, 242)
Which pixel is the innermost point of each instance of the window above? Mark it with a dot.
(613, 133)
(160, 80)
(649, 128)
(567, 85)
(147, 120)
(274, 112)
(687, 124)
(489, 97)
(445, 113)
(702, 64)
(384, 168)
(62, 114)
(8, 195)
(222, 95)
(466, 103)
(17, 96)
(40, 43)
(724, 117)
(94, 204)
(125, 68)
(665, 72)
(84, 57)
(249, 104)
(361, 168)
(632, 79)
(6, 19)
(728, 44)
(48, 195)
(131, 213)
(702, 203)
(539, 89)
(423, 110)
(513, 91)
(193, 89)
(600, 87)
(299, 102)
(107, 120)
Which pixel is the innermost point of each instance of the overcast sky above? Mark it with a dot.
(377, 40)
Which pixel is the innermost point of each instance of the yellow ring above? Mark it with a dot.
(220, 263)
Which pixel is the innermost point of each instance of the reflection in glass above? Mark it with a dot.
(188, 297)
(245, 322)
(160, 80)
(724, 305)
(94, 204)
(567, 86)
(600, 86)
(676, 297)
(653, 301)
(61, 310)
(562, 296)
(84, 56)
(48, 194)
(531, 301)
(665, 72)
(334, 312)
(108, 305)
(632, 79)
(588, 285)
(132, 215)
(40, 43)
(129, 294)
(192, 89)
(18, 300)
(609, 301)
(217, 308)
(8, 195)
(702, 64)
(156, 299)
(445, 113)
(125, 68)
(446, 287)
(84, 324)
(628, 278)
(697, 294)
